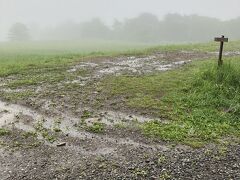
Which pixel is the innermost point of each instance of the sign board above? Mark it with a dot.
(221, 39)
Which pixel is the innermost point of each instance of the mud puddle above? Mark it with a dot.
(132, 65)
(112, 118)
(23, 118)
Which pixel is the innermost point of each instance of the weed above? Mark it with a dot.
(140, 172)
(56, 125)
(162, 159)
(35, 144)
(4, 132)
(165, 176)
(17, 144)
(57, 129)
(45, 133)
(96, 127)
(29, 134)
(39, 126)
(222, 151)
(48, 136)
(86, 114)
(120, 125)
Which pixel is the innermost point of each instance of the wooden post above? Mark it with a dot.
(221, 40)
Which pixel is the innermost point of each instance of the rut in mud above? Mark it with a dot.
(53, 131)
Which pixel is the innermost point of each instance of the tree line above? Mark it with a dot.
(145, 28)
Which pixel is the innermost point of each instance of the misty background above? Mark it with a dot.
(144, 21)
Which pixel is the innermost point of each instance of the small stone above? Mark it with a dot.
(61, 144)
(153, 177)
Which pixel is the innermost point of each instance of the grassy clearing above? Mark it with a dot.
(18, 58)
(202, 101)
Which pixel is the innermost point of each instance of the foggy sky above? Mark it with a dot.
(51, 12)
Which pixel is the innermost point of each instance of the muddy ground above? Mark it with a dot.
(61, 129)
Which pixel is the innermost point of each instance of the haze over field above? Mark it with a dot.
(66, 19)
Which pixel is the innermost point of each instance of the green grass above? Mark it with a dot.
(96, 127)
(86, 114)
(15, 96)
(201, 101)
(70, 47)
(4, 132)
(203, 47)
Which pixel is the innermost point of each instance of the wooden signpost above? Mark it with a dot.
(221, 40)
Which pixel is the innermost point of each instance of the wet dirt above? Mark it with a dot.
(134, 65)
(114, 153)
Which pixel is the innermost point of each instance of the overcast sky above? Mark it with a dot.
(50, 12)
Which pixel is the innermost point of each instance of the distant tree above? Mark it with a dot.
(95, 29)
(19, 32)
(174, 27)
(117, 30)
(232, 28)
(201, 28)
(117, 25)
(193, 28)
(144, 28)
(67, 30)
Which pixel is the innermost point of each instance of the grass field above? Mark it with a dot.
(200, 102)
(18, 57)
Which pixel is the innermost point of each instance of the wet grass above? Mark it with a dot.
(4, 132)
(15, 96)
(36, 78)
(203, 47)
(44, 132)
(201, 100)
(96, 127)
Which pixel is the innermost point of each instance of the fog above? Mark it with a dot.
(132, 20)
